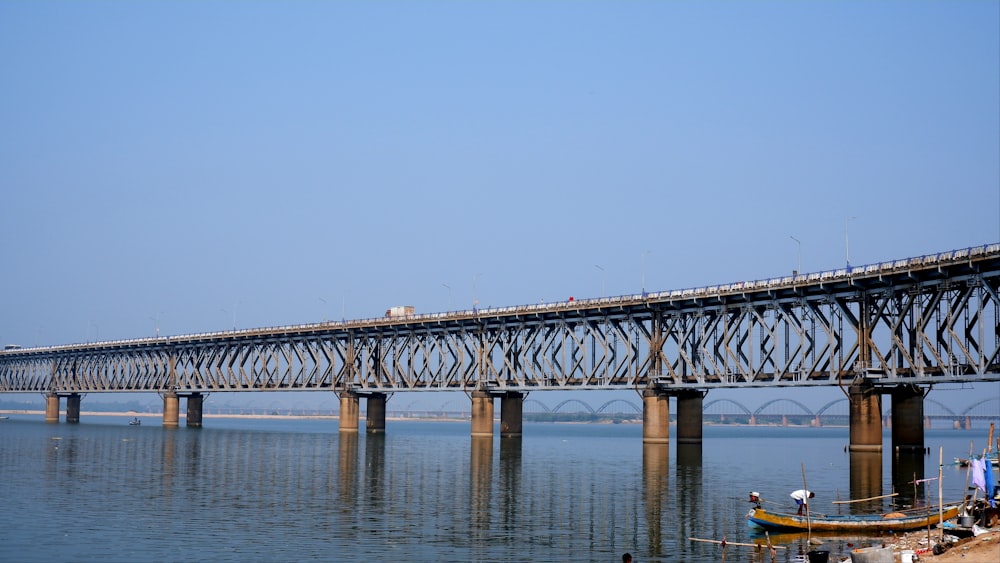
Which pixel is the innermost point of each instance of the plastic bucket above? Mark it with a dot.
(906, 556)
(818, 556)
(873, 555)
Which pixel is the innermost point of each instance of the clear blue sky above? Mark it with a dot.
(176, 165)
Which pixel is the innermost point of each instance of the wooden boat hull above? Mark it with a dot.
(875, 523)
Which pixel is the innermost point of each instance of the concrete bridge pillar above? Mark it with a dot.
(194, 410)
(907, 418)
(865, 418)
(73, 408)
(52, 408)
(171, 409)
(655, 417)
(511, 414)
(375, 415)
(350, 411)
(689, 417)
(482, 414)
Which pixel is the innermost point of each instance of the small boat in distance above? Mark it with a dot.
(135, 421)
(994, 458)
(4, 417)
(899, 521)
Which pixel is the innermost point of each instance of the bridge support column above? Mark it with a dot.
(350, 411)
(52, 408)
(375, 415)
(655, 417)
(511, 414)
(482, 414)
(689, 415)
(865, 418)
(194, 410)
(73, 408)
(171, 409)
(907, 418)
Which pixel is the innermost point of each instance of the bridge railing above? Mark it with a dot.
(873, 269)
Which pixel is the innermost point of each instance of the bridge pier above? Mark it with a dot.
(194, 410)
(482, 413)
(865, 418)
(511, 414)
(689, 416)
(907, 418)
(375, 413)
(655, 417)
(73, 408)
(349, 412)
(171, 409)
(52, 408)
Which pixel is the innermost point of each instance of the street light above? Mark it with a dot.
(156, 324)
(325, 305)
(474, 300)
(800, 254)
(847, 242)
(234, 315)
(644, 271)
(603, 273)
(449, 295)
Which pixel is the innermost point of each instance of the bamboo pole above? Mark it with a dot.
(863, 499)
(965, 491)
(941, 502)
(805, 487)
(724, 542)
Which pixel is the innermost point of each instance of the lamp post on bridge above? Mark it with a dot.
(847, 242)
(449, 295)
(475, 302)
(603, 273)
(234, 315)
(325, 305)
(799, 242)
(644, 271)
(156, 324)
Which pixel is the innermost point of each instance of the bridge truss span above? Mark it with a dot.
(924, 320)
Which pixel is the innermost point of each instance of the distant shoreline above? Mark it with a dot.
(62, 413)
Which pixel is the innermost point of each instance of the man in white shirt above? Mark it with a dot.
(802, 497)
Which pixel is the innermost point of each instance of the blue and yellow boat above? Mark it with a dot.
(899, 521)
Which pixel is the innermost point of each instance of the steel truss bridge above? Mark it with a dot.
(920, 321)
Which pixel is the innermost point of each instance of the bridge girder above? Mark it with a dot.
(919, 321)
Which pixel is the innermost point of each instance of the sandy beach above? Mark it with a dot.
(984, 548)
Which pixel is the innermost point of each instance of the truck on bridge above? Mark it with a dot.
(400, 312)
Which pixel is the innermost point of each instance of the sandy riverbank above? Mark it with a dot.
(984, 548)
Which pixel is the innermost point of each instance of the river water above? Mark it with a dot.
(242, 490)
